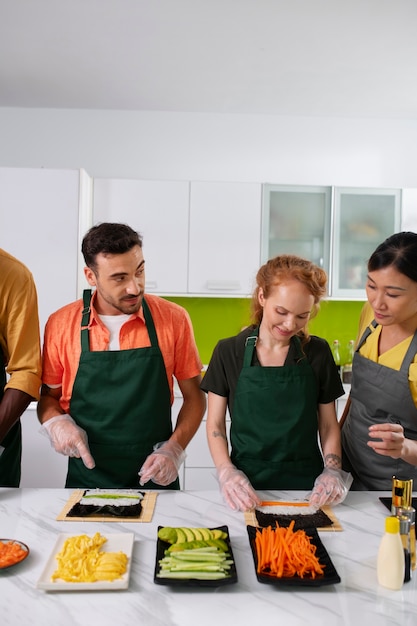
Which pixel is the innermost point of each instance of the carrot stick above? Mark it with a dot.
(280, 503)
(285, 552)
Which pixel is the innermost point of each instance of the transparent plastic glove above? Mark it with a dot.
(67, 438)
(236, 488)
(163, 464)
(330, 487)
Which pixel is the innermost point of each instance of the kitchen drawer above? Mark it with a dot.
(200, 478)
(198, 452)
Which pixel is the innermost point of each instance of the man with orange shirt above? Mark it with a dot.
(108, 367)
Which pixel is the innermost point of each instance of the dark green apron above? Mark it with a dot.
(122, 399)
(10, 460)
(274, 423)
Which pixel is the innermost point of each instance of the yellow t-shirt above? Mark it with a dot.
(393, 357)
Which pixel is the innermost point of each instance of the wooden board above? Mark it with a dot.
(250, 518)
(148, 507)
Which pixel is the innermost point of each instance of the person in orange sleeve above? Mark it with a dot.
(108, 366)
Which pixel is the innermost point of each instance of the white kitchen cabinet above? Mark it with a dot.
(337, 228)
(159, 211)
(42, 213)
(42, 466)
(198, 470)
(341, 402)
(225, 230)
(198, 467)
(409, 210)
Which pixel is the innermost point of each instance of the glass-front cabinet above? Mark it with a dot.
(336, 228)
(363, 218)
(296, 220)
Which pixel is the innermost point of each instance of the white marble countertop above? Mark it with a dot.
(29, 515)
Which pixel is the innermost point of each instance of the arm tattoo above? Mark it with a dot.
(332, 461)
(217, 433)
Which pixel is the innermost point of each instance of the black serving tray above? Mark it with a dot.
(161, 546)
(387, 501)
(330, 576)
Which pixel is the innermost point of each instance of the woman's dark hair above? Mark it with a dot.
(108, 238)
(399, 251)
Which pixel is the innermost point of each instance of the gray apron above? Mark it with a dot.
(379, 394)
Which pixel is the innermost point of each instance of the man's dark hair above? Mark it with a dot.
(108, 238)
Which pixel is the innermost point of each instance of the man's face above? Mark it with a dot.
(120, 282)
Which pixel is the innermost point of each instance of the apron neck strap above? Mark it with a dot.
(366, 334)
(297, 342)
(149, 324)
(250, 345)
(410, 354)
(85, 320)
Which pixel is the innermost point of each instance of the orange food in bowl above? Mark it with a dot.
(11, 552)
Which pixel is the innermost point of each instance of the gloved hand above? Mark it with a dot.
(163, 464)
(330, 487)
(236, 488)
(67, 438)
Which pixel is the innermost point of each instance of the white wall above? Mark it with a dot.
(195, 146)
(187, 146)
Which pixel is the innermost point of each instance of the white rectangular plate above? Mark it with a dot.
(115, 542)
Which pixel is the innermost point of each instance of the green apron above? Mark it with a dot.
(122, 400)
(10, 460)
(274, 423)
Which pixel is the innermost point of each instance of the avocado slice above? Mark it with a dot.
(186, 545)
(220, 544)
(181, 536)
(197, 534)
(219, 534)
(167, 534)
(188, 532)
(206, 532)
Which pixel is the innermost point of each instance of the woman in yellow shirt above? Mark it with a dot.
(379, 425)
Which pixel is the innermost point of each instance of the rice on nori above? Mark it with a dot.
(318, 519)
(108, 502)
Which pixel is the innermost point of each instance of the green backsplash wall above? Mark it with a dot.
(216, 318)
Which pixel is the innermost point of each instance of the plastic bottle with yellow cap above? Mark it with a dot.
(391, 563)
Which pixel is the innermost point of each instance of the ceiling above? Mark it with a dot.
(349, 58)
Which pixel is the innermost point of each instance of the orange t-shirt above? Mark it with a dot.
(62, 342)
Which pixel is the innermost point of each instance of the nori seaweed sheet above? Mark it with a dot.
(105, 510)
(314, 520)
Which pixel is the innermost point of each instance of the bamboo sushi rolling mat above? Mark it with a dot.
(148, 507)
(250, 518)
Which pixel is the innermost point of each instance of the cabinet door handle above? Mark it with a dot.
(223, 285)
